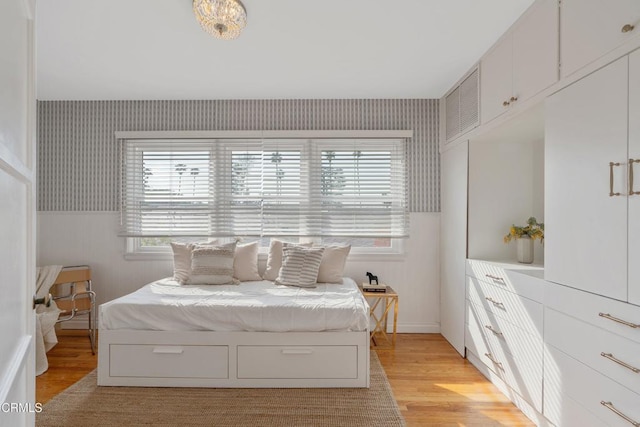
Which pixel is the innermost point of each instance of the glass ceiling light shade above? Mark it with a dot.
(223, 19)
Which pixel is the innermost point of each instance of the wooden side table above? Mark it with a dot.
(389, 299)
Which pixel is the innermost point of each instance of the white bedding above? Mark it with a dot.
(261, 306)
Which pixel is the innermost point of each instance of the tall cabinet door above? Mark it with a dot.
(585, 227)
(634, 199)
(453, 243)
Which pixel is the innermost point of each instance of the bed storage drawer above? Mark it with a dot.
(169, 361)
(297, 361)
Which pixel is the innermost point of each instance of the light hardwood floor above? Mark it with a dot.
(433, 385)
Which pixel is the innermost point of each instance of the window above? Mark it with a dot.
(329, 190)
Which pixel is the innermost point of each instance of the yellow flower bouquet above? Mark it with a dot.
(533, 230)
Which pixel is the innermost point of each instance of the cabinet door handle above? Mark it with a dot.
(513, 99)
(619, 362)
(494, 302)
(497, 333)
(627, 28)
(631, 162)
(616, 411)
(611, 193)
(615, 319)
(505, 103)
(494, 361)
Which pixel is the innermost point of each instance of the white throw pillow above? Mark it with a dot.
(299, 266)
(334, 259)
(245, 262)
(274, 260)
(212, 265)
(182, 259)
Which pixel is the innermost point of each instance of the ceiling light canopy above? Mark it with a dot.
(223, 19)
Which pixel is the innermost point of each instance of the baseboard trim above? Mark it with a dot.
(416, 328)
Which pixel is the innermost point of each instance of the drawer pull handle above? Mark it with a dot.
(168, 350)
(498, 333)
(492, 277)
(297, 351)
(615, 319)
(494, 302)
(494, 361)
(619, 362)
(616, 411)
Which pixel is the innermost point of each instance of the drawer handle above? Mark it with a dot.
(500, 279)
(615, 319)
(168, 350)
(494, 361)
(619, 362)
(297, 351)
(498, 333)
(616, 411)
(494, 302)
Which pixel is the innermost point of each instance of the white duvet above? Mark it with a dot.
(261, 306)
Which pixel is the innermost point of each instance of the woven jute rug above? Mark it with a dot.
(86, 404)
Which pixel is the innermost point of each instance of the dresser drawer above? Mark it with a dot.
(526, 281)
(169, 361)
(297, 362)
(524, 347)
(569, 413)
(524, 375)
(594, 309)
(521, 311)
(595, 347)
(566, 377)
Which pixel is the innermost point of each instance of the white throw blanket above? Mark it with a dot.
(46, 317)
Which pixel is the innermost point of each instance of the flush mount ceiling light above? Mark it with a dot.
(223, 19)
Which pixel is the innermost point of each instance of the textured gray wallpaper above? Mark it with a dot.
(78, 160)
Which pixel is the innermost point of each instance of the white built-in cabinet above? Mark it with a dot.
(592, 28)
(588, 175)
(523, 63)
(566, 354)
(453, 249)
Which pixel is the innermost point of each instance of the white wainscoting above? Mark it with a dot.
(73, 238)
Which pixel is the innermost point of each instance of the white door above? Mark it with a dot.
(591, 28)
(634, 199)
(17, 213)
(585, 227)
(453, 243)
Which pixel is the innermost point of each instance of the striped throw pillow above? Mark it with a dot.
(212, 265)
(299, 266)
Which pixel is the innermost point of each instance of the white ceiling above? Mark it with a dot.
(155, 49)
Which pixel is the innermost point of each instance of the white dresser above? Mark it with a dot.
(504, 326)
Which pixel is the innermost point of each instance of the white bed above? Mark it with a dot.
(255, 334)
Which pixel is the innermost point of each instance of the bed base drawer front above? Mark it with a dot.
(169, 361)
(308, 362)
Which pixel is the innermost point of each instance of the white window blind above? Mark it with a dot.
(264, 187)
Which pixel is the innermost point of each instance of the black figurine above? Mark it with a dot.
(372, 278)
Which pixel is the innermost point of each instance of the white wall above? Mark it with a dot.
(72, 238)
